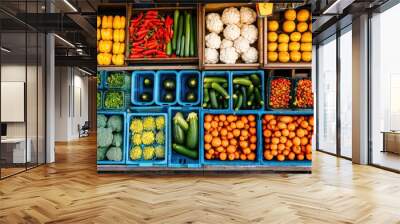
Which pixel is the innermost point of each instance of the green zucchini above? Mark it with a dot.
(179, 134)
(239, 103)
(206, 96)
(250, 100)
(215, 79)
(192, 36)
(250, 90)
(179, 36)
(182, 53)
(257, 96)
(188, 17)
(219, 89)
(192, 136)
(176, 22)
(185, 151)
(244, 96)
(213, 99)
(242, 81)
(180, 120)
(255, 79)
(169, 48)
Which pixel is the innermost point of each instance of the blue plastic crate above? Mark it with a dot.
(142, 162)
(127, 80)
(268, 94)
(149, 109)
(225, 74)
(99, 107)
(160, 91)
(295, 83)
(126, 99)
(101, 77)
(260, 74)
(123, 133)
(177, 160)
(138, 88)
(183, 89)
(205, 162)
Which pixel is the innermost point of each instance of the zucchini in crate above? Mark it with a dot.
(185, 139)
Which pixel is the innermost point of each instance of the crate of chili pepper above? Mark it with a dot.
(303, 96)
(163, 35)
(279, 93)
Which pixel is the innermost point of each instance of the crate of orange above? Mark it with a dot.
(230, 139)
(287, 138)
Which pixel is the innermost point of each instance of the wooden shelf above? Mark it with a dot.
(147, 67)
(288, 66)
(231, 67)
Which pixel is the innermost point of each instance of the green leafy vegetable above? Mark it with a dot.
(98, 99)
(114, 100)
(116, 80)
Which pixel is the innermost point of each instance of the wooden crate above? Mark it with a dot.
(279, 65)
(219, 7)
(177, 60)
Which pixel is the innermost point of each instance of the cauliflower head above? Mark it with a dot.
(231, 15)
(241, 45)
(135, 153)
(115, 123)
(247, 15)
(148, 153)
(226, 43)
(213, 40)
(160, 122)
(136, 139)
(250, 32)
(250, 56)
(160, 152)
(211, 56)
(149, 123)
(148, 137)
(214, 23)
(229, 55)
(136, 125)
(231, 32)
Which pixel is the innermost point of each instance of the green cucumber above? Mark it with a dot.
(179, 134)
(192, 136)
(257, 96)
(255, 79)
(169, 48)
(182, 53)
(239, 103)
(215, 79)
(176, 22)
(188, 22)
(213, 99)
(179, 36)
(242, 81)
(192, 36)
(244, 97)
(185, 151)
(219, 89)
(250, 100)
(206, 96)
(250, 90)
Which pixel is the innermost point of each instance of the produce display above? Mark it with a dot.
(231, 37)
(117, 80)
(215, 92)
(110, 40)
(114, 100)
(230, 137)
(247, 93)
(287, 137)
(304, 97)
(147, 138)
(291, 40)
(110, 132)
(280, 93)
(185, 132)
(161, 34)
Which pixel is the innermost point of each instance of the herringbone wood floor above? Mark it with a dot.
(70, 191)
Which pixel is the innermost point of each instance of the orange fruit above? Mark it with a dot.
(280, 157)
(309, 156)
(283, 57)
(295, 56)
(272, 56)
(300, 157)
(291, 156)
(290, 14)
(268, 156)
(306, 56)
(296, 141)
(208, 156)
(251, 156)
(283, 47)
(300, 133)
(231, 156)
(272, 36)
(303, 15)
(275, 140)
(272, 46)
(285, 132)
(304, 141)
(273, 25)
(291, 127)
(295, 36)
(306, 37)
(283, 139)
(283, 38)
(281, 147)
(302, 27)
(289, 26)
(243, 156)
(294, 46)
(222, 156)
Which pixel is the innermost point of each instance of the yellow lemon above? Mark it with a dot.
(290, 14)
(284, 56)
(272, 36)
(295, 56)
(272, 46)
(306, 56)
(302, 27)
(283, 38)
(283, 47)
(295, 36)
(272, 56)
(306, 37)
(306, 47)
(273, 25)
(289, 26)
(294, 46)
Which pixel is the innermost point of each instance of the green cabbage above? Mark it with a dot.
(101, 121)
(114, 154)
(104, 137)
(115, 123)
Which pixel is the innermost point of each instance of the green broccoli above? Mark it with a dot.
(104, 137)
(115, 123)
(160, 138)
(101, 153)
(135, 153)
(114, 154)
(160, 152)
(117, 80)
(160, 122)
(101, 121)
(148, 153)
(149, 123)
(117, 140)
(114, 100)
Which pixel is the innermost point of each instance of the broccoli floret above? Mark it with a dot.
(148, 153)
(136, 139)
(115, 122)
(101, 153)
(117, 140)
(114, 154)
(135, 153)
(160, 122)
(101, 121)
(136, 126)
(149, 123)
(148, 138)
(160, 138)
(104, 137)
(160, 152)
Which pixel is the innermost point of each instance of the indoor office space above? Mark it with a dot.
(199, 111)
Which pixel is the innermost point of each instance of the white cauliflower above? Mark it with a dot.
(211, 56)
(241, 45)
(214, 23)
(247, 15)
(231, 15)
(213, 40)
(228, 55)
(226, 43)
(250, 32)
(250, 56)
(231, 32)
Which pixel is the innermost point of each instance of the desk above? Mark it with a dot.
(391, 141)
(17, 147)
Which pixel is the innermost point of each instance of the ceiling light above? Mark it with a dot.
(5, 50)
(84, 71)
(70, 5)
(64, 40)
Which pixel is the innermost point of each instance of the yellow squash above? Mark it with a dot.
(119, 35)
(118, 48)
(118, 59)
(104, 59)
(107, 22)
(105, 46)
(119, 22)
(106, 34)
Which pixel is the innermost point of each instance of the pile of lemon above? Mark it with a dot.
(293, 41)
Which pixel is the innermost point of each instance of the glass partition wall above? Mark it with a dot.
(22, 77)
